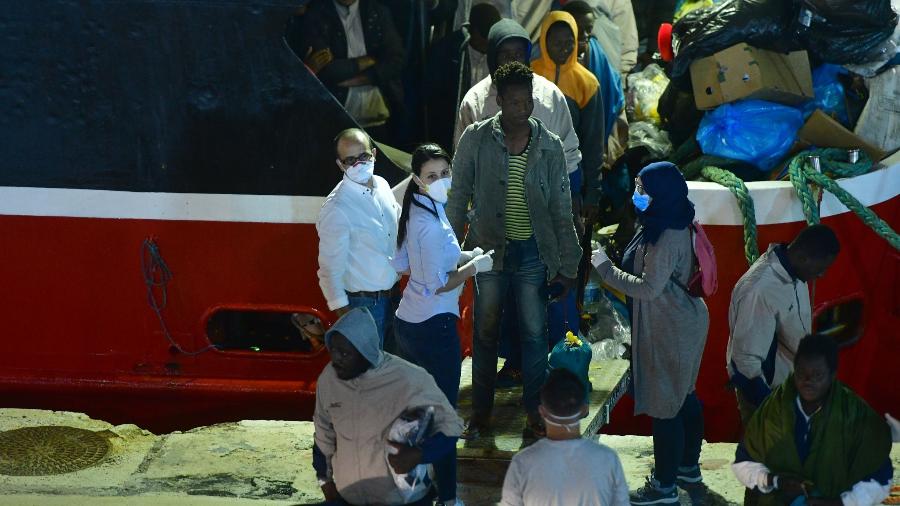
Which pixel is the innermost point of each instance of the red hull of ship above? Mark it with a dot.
(79, 334)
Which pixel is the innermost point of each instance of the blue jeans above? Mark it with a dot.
(434, 345)
(558, 313)
(676, 441)
(510, 346)
(526, 275)
(382, 311)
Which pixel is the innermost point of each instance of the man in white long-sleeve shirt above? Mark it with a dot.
(770, 313)
(357, 229)
(814, 439)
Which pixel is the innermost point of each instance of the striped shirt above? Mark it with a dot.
(518, 222)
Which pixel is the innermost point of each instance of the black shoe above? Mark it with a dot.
(475, 427)
(507, 377)
(650, 493)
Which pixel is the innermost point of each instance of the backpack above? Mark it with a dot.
(704, 279)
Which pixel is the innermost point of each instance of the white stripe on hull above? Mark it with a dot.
(775, 203)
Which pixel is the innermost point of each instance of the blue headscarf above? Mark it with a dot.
(669, 205)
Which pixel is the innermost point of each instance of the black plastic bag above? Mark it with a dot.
(766, 24)
(847, 31)
(678, 114)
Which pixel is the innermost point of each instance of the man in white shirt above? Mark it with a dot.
(770, 313)
(357, 229)
(367, 57)
(563, 469)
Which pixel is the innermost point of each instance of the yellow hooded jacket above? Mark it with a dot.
(582, 91)
(575, 81)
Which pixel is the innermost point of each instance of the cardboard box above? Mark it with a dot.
(822, 131)
(743, 72)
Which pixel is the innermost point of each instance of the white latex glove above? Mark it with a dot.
(895, 427)
(484, 262)
(599, 257)
(467, 256)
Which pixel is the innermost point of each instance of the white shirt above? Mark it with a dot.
(357, 229)
(550, 107)
(573, 472)
(430, 251)
(364, 103)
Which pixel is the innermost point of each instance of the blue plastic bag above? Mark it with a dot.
(754, 131)
(573, 354)
(829, 93)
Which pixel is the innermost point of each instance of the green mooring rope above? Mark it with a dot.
(802, 173)
(745, 202)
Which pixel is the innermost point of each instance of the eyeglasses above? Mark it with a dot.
(353, 160)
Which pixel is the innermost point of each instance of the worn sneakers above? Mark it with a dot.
(652, 493)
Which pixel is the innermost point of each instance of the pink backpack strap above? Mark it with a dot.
(706, 259)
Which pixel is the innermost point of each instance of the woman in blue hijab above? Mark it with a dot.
(668, 327)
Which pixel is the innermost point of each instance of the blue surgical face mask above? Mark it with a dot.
(641, 202)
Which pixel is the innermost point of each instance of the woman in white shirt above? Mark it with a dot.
(426, 320)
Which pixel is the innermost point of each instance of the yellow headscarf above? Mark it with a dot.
(575, 81)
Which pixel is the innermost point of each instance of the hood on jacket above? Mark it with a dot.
(575, 81)
(504, 30)
(359, 328)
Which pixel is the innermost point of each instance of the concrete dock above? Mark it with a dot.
(254, 462)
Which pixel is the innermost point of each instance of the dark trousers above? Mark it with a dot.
(562, 316)
(382, 309)
(676, 441)
(525, 274)
(434, 346)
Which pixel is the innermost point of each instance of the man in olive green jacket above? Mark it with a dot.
(510, 186)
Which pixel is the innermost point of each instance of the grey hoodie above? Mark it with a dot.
(353, 417)
(502, 31)
(360, 329)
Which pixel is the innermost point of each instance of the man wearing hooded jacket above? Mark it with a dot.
(358, 396)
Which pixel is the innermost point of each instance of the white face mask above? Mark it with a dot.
(361, 172)
(438, 190)
(571, 423)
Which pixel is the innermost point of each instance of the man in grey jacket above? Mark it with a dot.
(510, 186)
(359, 395)
(770, 313)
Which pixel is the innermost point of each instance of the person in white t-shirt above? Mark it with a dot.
(564, 469)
